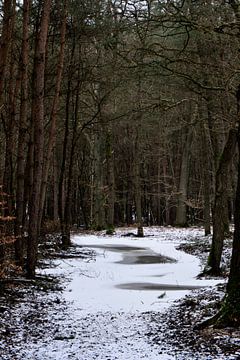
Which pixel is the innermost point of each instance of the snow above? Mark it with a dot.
(100, 320)
(93, 284)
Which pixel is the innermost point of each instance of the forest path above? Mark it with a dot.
(108, 302)
(130, 273)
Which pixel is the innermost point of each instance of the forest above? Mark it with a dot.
(120, 113)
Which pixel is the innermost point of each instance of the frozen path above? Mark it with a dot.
(110, 301)
(130, 274)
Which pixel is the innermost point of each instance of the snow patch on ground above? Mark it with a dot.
(93, 285)
(92, 319)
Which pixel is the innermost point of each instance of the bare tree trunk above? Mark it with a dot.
(61, 191)
(230, 313)
(9, 10)
(221, 204)
(38, 126)
(207, 203)
(181, 211)
(66, 221)
(111, 182)
(22, 135)
(62, 174)
(206, 179)
(12, 88)
(181, 214)
(5, 39)
(98, 208)
(166, 195)
(137, 185)
(53, 116)
(55, 189)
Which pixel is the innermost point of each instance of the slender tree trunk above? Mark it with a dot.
(66, 223)
(12, 88)
(181, 215)
(63, 168)
(230, 313)
(221, 204)
(137, 185)
(111, 182)
(181, 211)
(53, 116)
(38, 126)
(98, 208)
(5, 39)
(22, 136)
(7, 65)
(55, 189)
(128, 202)
(166, 195)
(61, 191)
(207, 203)
(206, 180)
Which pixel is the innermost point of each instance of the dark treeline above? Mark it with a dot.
(118, 112)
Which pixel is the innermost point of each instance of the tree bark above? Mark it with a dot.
(137, 187)
(12, 88)
(229, 314)
(181, 214)
(221, 203)
(22, 136)
(206, 179)
(5, 39)
(66, 220)
(61, 190)
(53, 116)
(98, 201)
(63, 168)
(55, 189)
(38, 129)
(110, 182)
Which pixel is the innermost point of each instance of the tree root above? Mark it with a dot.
(209, 322)
(226, 317)
(211, 272)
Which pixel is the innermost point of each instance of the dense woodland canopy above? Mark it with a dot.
(118, 112)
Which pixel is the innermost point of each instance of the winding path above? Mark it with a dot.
(108, 301)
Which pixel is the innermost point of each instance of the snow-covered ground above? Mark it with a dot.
(105, 284)
(107, 300)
